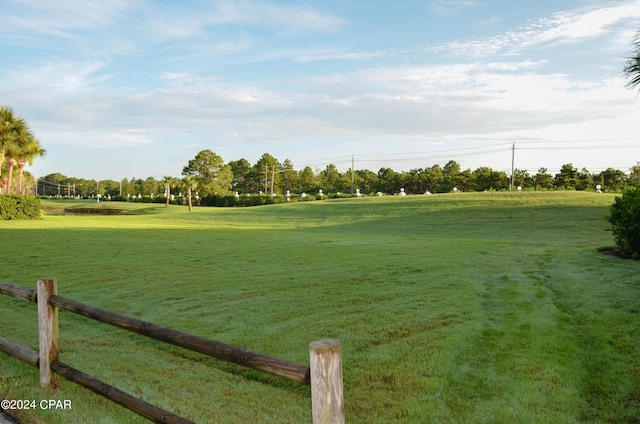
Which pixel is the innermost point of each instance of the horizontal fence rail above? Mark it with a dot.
(152, 413)
(247, 358)
(19, 292)
(325, 356)
(24, 354)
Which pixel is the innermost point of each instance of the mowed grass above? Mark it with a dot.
(461, 308)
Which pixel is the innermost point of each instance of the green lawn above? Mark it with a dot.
(457, 308)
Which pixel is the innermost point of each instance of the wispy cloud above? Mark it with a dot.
(177, 22)
(451, 7)
(321, 55)
(60, 18)
(99, 139)
(560, 28)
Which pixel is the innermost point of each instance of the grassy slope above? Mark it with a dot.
(489, 307)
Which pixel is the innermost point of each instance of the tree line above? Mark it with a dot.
(208, 175)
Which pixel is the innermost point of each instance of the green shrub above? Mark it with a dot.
(19, 207)
(625, 221)
(242, 200)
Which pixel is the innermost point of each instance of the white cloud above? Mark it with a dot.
(573, 25)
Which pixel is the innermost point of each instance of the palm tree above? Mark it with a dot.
(14, 136)
(27, 154)
(190, 184)
(7, 181)
(23, 149)
(7, 135)
(632, 68)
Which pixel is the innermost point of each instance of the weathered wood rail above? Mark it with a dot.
(324, 374)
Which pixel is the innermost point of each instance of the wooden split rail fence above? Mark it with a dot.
(324, 373)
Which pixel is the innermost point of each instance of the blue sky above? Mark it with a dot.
(136, 88)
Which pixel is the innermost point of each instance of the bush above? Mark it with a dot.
(19, 207)
(625, 220)
(242, 200)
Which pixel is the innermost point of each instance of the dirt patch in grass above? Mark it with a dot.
(617, 252)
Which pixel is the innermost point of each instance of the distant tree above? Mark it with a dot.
(241, 170)
(485, 178)
(209, 173)
(414, 181)
(584, 180)
(149, 186)
(632, 67)
(127, 187)
(366, 181)
(543, 180)
(433, 178)
(307, 181)
(109, 188)
(288, 177)
(465, 180)
(388, 181)
(567, 177)
(331, 180)
(328, 177)
(262, 171)
(634, 176)
(135, 186)
(612, 179)
(56, 178)
(450, 176)
(522, 178)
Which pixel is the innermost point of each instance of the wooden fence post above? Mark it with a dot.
(48, 325)
(327, 401)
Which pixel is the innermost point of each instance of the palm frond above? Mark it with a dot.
(631, 70)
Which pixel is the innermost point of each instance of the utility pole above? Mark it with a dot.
(273, 177)
(266, 177)
(353, 174)
(513, 155)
